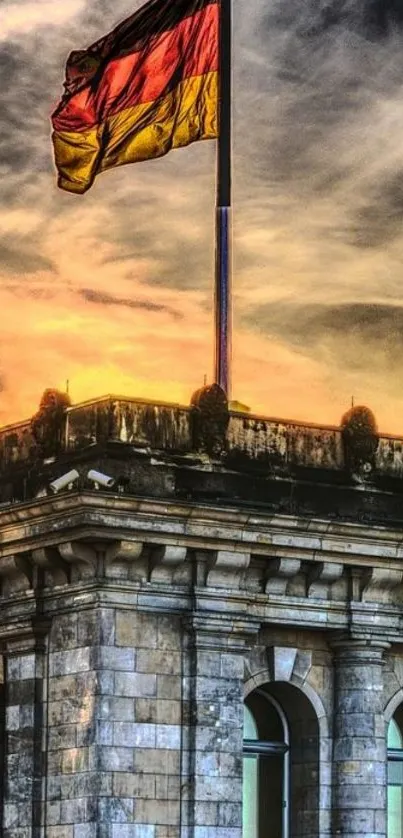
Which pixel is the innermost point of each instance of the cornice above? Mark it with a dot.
(83, 549)
(93, 515)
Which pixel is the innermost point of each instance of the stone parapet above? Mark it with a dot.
(264, 444)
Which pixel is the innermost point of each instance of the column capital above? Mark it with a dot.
(24, 637)
(360, 651)
(221, 633)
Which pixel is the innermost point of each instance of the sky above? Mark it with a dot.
(113, 290)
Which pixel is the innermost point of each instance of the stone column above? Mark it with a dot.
(212, 806)
(359, 754)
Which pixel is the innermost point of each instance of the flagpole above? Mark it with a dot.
(223, 295)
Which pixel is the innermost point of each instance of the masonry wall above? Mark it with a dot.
(127, 663)
(115, 712)
(128, 724)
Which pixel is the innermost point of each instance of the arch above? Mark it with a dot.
(395, 735)
(263, 677)
(310, 750)
(392, 705)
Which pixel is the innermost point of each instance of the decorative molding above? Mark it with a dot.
(55, 568)
(360, 442)
(15, 574)
(226, 568)
(120, 557)
(22, 638)
(53, 519)
(288, 664)
(209, 420)
(321, 576)
(164, 560)
(378, 582)
(279, 573)
(358, 651)
(81, 556)
(217, 633)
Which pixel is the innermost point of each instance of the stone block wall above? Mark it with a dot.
(123, 722)
(215, 668)
(115, 712)
(24, 740)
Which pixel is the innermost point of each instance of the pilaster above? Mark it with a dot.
(359, 755)
(216, 648)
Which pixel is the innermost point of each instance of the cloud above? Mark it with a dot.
(103, 298)
(324, 103)
(25, 260)
(352, 327)
(94, 286)
(24, 16)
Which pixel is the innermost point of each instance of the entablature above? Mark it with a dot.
(284, 569)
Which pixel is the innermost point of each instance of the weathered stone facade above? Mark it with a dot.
(136, 620)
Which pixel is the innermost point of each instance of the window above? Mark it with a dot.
(266, 768)
(395, 776)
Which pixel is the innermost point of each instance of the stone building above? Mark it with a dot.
(200, 624)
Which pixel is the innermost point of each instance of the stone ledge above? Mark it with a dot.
(105, 517)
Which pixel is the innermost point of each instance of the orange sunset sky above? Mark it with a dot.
(113, 290)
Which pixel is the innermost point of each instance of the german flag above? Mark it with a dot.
(148, 86)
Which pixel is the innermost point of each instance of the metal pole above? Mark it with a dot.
(223, 296)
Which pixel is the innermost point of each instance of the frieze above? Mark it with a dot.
(307, 568)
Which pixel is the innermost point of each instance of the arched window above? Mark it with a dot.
(395, 776)
(266, 768)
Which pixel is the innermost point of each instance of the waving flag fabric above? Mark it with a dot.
(148, 86)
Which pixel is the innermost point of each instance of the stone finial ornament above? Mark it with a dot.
(210, 417)
(360, 440)
(48, 423)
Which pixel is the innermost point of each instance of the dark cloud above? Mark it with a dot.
(380, 219)
(374, 18)
(310, 84)
(178, 264)
(353, 330)
(12, 154)
(92, 296)
(21, 97)
(10, 56)
(18, 258)
(180, 243)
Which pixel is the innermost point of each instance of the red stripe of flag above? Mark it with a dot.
(144, 76)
